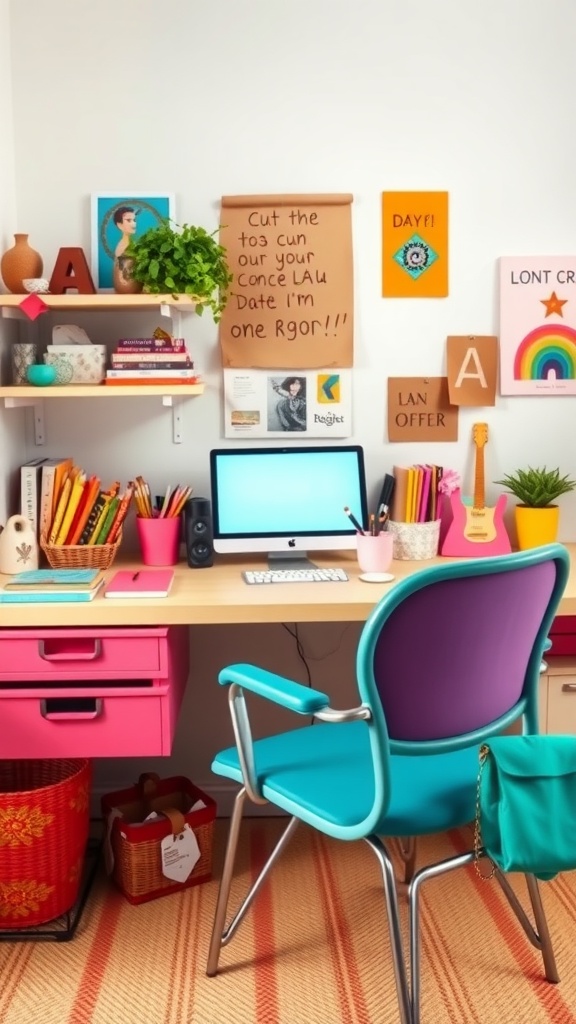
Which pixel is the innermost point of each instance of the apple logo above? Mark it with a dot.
(291, 543)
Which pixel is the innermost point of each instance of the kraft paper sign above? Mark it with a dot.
(291, 299)
(414, 245)
(538, 325)
(419, 410)
(472, 369)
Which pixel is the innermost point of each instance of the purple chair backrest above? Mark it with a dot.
(453, 656)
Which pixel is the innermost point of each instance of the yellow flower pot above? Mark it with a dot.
(536, 526)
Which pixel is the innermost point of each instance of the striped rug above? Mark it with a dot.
(313, 949)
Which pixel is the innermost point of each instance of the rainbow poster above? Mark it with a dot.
(538, 325)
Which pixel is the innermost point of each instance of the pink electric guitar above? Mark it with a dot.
(476, 530)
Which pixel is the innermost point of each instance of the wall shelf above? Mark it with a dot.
(16, 396)
(104, 301)
(33, 394)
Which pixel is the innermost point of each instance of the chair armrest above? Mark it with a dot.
(294, 696)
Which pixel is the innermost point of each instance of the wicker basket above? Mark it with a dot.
(44, 822)
(80, 556)
(133, 846)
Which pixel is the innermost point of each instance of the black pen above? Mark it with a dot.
(353, 520)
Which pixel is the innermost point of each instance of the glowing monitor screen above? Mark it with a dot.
(286, 501)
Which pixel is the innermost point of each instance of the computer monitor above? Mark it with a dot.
(286, 501)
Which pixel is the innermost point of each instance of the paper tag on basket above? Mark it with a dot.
(108, 851)
(179, 854)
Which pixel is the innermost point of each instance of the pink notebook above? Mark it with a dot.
(140, 583)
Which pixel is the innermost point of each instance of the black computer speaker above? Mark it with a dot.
(198, 533)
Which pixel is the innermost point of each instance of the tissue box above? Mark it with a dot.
(77, 364)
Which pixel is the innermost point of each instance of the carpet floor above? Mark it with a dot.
(313, 949)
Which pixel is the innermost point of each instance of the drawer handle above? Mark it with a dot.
(90, 656)
(568, 687)
(93, 710)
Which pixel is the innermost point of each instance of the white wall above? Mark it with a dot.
(205, 99)
(12, 424)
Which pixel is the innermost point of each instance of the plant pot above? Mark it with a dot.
(122, 278)
(536, 526)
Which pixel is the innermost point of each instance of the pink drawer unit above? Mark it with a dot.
(132, 713)
(105, 653)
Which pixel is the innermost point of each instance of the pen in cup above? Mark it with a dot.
(353, 520)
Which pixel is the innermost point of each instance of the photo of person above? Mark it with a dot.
(289, 411)
(125, 220)
(116, 219)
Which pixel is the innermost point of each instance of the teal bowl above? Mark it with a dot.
(40, 375)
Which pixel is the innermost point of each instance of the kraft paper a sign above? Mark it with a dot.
(291, 298)
(419, 410)
(414, 245)
(472, 369)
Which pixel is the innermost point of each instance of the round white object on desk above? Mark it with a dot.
(376, 577)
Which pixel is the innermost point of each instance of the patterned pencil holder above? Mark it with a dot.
(415, 541)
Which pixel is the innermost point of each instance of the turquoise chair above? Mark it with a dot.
(448, 658)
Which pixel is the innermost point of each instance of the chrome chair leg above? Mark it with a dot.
(431, 871)
(539, 936)
(386, 866)
(407, 850)
(221, 935)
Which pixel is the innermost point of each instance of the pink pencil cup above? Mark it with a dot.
(374, 554)
(159, 539)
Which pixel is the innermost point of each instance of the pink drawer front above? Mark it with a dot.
(105, 724)
(62, 654)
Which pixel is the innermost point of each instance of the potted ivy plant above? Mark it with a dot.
(182, 260)
(537, 514)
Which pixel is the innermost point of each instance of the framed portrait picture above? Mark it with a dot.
(116, 218)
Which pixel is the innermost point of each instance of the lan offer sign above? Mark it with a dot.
(419, 409)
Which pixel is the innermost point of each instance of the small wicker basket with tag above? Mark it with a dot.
(133, 845)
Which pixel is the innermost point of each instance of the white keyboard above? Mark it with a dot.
(295, 576)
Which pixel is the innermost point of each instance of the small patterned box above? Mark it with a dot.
(77, 364)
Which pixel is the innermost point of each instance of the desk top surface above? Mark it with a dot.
(219, 595)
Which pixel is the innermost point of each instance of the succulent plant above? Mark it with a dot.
(537, 487)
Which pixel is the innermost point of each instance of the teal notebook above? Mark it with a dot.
(49, 595)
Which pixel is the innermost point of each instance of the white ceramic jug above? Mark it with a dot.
(18, 546)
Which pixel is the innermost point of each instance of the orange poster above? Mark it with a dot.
(291, 299)
(414, 245)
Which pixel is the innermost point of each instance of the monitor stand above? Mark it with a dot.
(289, 560)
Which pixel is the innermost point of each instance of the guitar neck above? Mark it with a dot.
(479, 479)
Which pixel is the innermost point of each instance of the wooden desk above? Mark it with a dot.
(219, 596)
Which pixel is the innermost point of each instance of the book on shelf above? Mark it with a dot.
(52, 477)
(49, 595)
(140, 583)
(185, 373)
(143, 381)
(31, 492)
(60, 580)
(78, 483)
(152, 358)
(151, 345)
(167, 364)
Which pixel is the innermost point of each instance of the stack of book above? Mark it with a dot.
(151, 361)
(52, 586)
(79, 511)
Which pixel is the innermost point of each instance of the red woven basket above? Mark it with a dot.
(44, 821)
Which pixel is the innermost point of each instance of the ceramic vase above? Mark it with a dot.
(122, 278)
(536, 526)
(19, 262)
